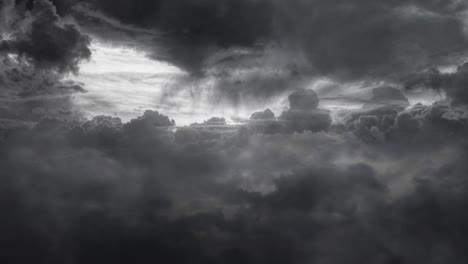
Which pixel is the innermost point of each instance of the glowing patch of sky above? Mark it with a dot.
(121, 81)
(124, 82)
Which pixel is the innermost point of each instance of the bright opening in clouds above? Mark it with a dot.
(122, 81)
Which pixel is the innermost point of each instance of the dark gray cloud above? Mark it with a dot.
(387, 185)
(387, 96)
(194, 29)
(358, 39)
(303, 114)
(40, 37)
(36, 50)
(28, 95)
(368, 39)
(416, 123)
(303, 100)
(343, 40)
(104, 190)
(453, 84)
(265, 115)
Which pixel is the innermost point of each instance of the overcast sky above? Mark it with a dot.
(233, 131)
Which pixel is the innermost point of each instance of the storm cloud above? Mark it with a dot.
(43, 39)
(453, 84)
(259, 49)
(37, 50)
(339, 38)
(104, 190)
(300, 181)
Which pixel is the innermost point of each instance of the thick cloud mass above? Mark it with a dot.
(367, 38)
(36, 50)
(303, 114)
(222, 22)
(346, 39)
(453, 84)
(252, 50)
(195, 28)
(103, 191)
(265, 115)
(44, 40)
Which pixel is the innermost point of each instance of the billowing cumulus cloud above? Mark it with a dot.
(104, 190)
(43, 39)
(265, 115)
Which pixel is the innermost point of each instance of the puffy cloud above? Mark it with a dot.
(303, 100)
(371, 124)
(419, 122)
(387, 96)
(265, 115)
(303, 114)
(151, 119)
(215, 121)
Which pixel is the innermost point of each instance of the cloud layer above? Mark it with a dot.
(338, 38)
(382, 184)
(40, 37)
(103, 190)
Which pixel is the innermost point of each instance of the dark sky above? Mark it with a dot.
(385, 182)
